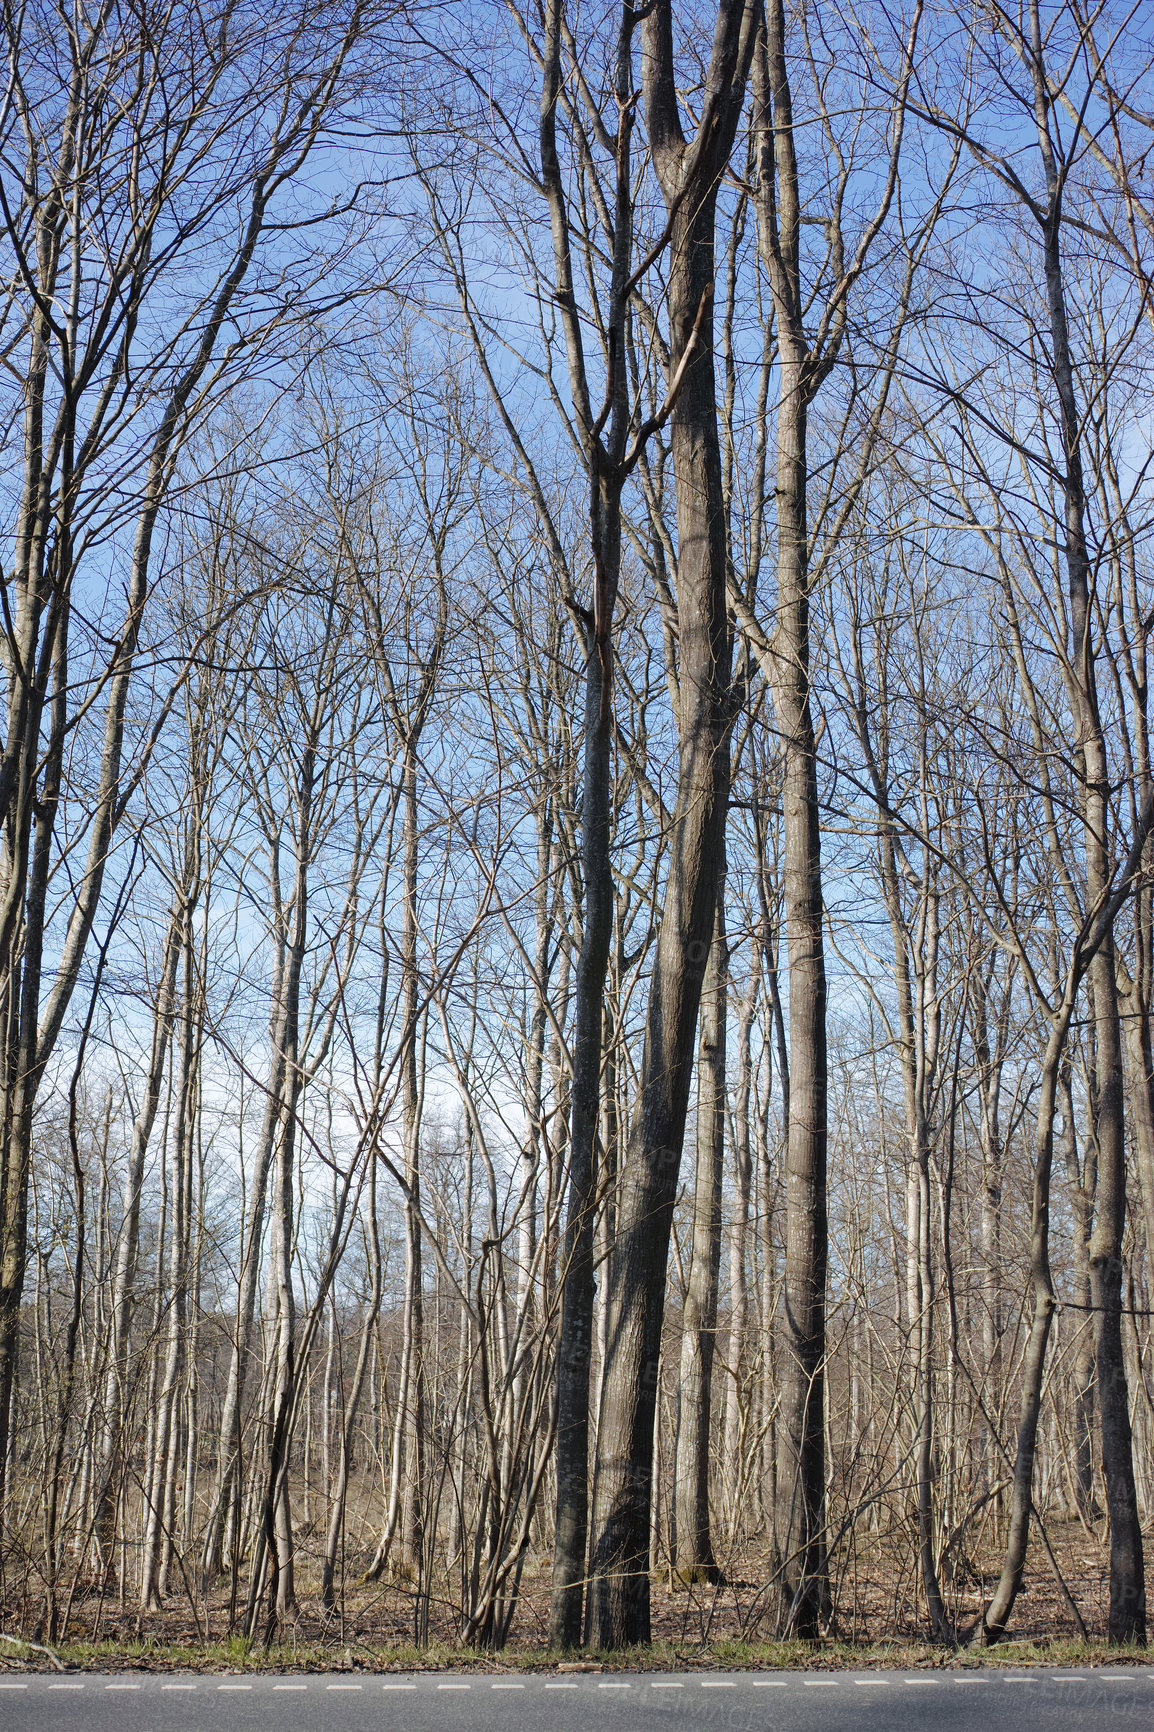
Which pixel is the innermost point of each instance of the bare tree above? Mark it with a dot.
(183, 132)
(689, 170)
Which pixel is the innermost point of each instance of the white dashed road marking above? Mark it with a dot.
(754, 1683)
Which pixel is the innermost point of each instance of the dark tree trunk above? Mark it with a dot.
(695, 1561)
(690, 175)
(577, 1293)
(800, 1498)
(1127, 1614)
(637, 1269)
(1082, 1182)
(606, 467)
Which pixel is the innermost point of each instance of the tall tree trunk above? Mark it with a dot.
(340, 1489)
(800, 1501)
(412, 1556)
(990, 1057)
(157, 1516)
(575, 1343)
(689, 175)
(606, 468)
(695, 1561)
(736, 1393)
(227, 1491)
(799, 316)
(405, 1508)
(128, 1241)
(1082, 1184)
(280, 1539)
(1127, 1614)
(997, 1613)
(1137, 1023)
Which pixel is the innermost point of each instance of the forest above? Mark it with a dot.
(576, 876)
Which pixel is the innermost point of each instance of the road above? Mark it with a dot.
(940, 1701)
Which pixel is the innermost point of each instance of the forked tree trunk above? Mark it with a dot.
(606, 467)
(690, 175)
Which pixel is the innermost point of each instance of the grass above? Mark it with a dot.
(238, 1655)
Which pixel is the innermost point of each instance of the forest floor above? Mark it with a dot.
(879, 1623)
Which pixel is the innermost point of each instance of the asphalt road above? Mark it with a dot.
(969, 1701)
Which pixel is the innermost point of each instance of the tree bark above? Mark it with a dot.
(1082, 1183)
(800, 1499)
(695, 1561)
(689, 175)
(1127, 1613)
(607, 462)
(736, 1390)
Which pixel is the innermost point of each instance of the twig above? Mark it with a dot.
(19, 1642)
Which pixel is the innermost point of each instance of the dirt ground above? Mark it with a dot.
(875, 1595)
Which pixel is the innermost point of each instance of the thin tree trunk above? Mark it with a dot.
(1127, 1614)
(1082, 1184)
(227, 1492)
(339, 1493)
(124, 1278)
(158, 1519)
(735, 1384)
(996, 1615)
(412, 1093)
